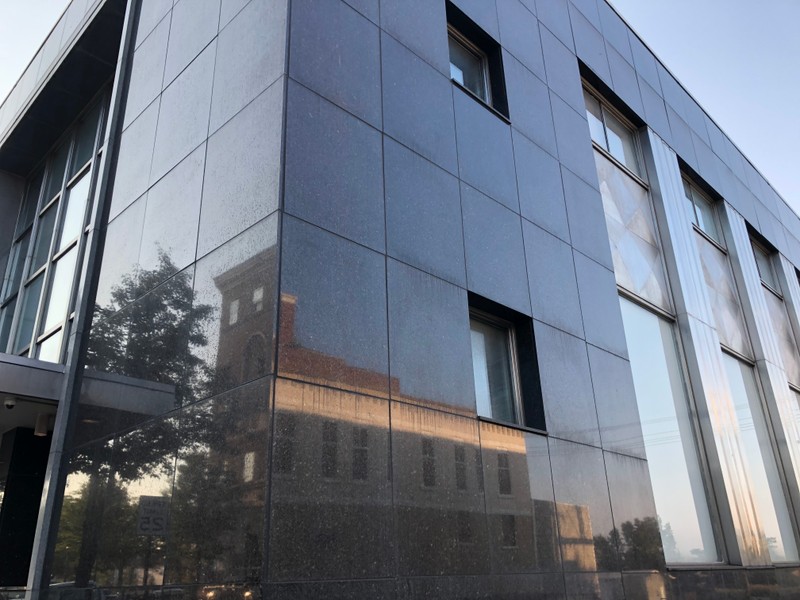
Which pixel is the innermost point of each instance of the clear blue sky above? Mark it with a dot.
(738, 58)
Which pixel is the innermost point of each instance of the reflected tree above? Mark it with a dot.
(638, 543)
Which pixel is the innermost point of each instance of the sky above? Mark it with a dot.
(738, 61)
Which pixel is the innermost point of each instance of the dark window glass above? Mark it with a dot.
(330, 448)
(360, 453)
(461, 467)
(284, 447)
(509, 525)
(428, 463)
(464, 524)
(503, 474)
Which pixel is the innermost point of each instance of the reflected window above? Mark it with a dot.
(330, 448)
(258, 299)
(360, 453)
(509, 530)
(767, 489)
(503, 474)
(284, 445)
(766, 268)
(464, 525)
(37, 293)
(249, 468)
(255, 358)
(612, 133)
(676, 472)
(494, 368)
(460, 457)
(428, 463)
(702, 211)
(233, 312)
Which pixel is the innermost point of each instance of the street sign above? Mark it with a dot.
(153, 515)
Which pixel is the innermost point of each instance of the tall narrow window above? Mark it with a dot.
(669, 437)
(428, 463)
(330, 448)
(766, 270)
(468, 66)
(494, 368)
(460, 456)
(767, 489)
(702, 211)
(360, 453)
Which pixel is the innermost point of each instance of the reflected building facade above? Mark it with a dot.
(354, 299)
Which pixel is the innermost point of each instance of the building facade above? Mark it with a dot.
(387, 299)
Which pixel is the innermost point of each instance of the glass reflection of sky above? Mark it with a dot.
(674, 468)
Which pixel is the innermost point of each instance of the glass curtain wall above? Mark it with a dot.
(36, 299)
(675, 469)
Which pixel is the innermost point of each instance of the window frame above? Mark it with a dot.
(463, 41)
(639, 173)
(509, 329)
(694, 190)
(760, 249)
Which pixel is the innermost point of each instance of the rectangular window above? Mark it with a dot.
(766, 269)
(669, 437)
(476, 61)
(330, 448)
(233, 312)
(460, 456)
(503, 474)
(702, 211)
(360, 453)
(494, 368)
(611, 133)
(767, 489)
(428, 463)
(249, 467)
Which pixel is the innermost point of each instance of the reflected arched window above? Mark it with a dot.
(255, 358)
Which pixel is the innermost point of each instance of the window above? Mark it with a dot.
(766, 269)
(36, 298)
(460, 456)
(249, 469)
(330, 448)
(504, 366)
(611, 133)
(428, 463)
(468, 66)
(494, 368)
(233, 312)
(676, 472)
(702, 211)
(258, 299)
(476, 62)
(503, 474)
(360, 453)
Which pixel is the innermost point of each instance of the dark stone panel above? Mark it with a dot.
(109, 484)
(574, 143)
(121, 257)
(602, 320)
(333, 169)
(729, 584)
(551, 276)
(183, 116)
(135, 370)
(635, 519)
(423, 214)
(562, 71)
(655, 111)
(147, 72)
(696, 118)
(421, 26)
(645, 62)
(483, 12)
(625, 82)
(590, 45)
(331, 498)
(519, 500)
(615, 397)
(519, 34)
(615, 31)
(589, 10)
(497, 270)
(544, 586)
(219, 498)
(332, 590)
(587, 224)
(251, 55)
(529, 105)
(418, 105)
(583, 507)
(681, 137)
(336, 52)
(243, 165)
(672, 91)
(429, 341)
(333, 326)
(554, 14)
(477, 129)
(569, 406)
(438, 493)
(135, 157)
(368, 8)
(171, 217)
(235, 295)
(193, 26)
(594, 586)
(541, 193)
(706, 162)
(645, 586)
